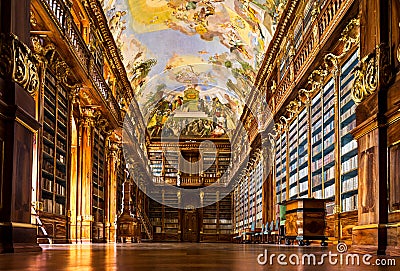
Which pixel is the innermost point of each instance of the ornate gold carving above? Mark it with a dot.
(113, 149)
(351, 34)
(366, 81)
(305, 95)
(293, 108)
(32, 19)
(18, 63)
(350, 37)
(38, 48)
(88, 116)
(316, 78)
(374, 71)
(398, 51)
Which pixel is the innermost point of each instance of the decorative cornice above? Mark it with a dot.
(18, 63)
(275, 44)
(112, 50)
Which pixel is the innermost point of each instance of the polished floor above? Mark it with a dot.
(182, 256)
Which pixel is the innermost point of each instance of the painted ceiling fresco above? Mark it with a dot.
(208, 50)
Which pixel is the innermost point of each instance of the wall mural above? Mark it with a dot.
(175, 38)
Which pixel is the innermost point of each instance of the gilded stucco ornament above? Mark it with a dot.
(39, 49)
(32, 19)
(398, 51)
(18, 63)
(316, 78)
(374, 71)
(351, 34)
(293, 108)
(305, 95)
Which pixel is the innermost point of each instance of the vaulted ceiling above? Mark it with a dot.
(211, 47)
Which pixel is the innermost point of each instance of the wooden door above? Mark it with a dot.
(190, 226)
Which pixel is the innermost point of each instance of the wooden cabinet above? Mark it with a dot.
(305, 221)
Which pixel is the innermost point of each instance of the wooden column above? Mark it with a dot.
(17, 128)
(309, 145)
(111, 207)
(371, 130)
(337, 151)
(73, 166)
(84, 197)
(287, 162)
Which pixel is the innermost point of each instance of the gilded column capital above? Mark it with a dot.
(74, 95)
(316, 78)
(305, 96)
(41, 48)
(18, 63)
(315, 10)
(293, 108)
(113, 149)
(87, 116)
(284, 122)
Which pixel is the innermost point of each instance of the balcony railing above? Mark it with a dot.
(64, 21)
(323, 22)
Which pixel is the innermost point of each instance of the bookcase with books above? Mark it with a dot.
(120, 183)
(238, 207)
(258, 179)
(324, 181)
(248, 201)
(302, 153)
(98, 188)
(316, 146)
(278, 171)
(328, 135)
(293, 162)
(280, 168)
(156, 165)
(349, 151)
(225, 218)
(171, 222)
(209, 166)
(209, 221)
(53, 177)
(171, 166)
(224, 158)
(156, 218)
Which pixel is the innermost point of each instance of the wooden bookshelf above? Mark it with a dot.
(292, 150)
(98, 189)
(248, 205)
(349, 148)
(53, 177)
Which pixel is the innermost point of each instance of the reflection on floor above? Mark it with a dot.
(178, 256)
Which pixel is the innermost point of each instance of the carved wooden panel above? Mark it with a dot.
(367, 180)
(291, 224)
(23, 178)
(1, 170)
(394, 177)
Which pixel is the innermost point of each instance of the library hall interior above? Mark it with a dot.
(199, 134)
